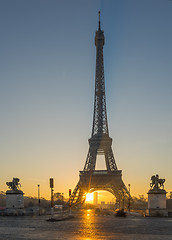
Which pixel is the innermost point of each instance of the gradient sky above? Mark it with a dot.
(47, 71)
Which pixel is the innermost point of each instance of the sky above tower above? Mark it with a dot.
(47, 74)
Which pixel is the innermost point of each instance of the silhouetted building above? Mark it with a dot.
(95, 198)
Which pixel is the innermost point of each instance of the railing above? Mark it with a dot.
(101, 172)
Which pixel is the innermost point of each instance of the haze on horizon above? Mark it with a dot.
(47, 73)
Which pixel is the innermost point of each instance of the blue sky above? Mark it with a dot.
(47, 71)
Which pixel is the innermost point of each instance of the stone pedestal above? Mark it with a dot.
(157, 203)
(14, 199)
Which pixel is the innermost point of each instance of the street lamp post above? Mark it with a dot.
(63, 201)
(69, 202)
(123, 205)
(119, 200)
(39, 201)
(129, 197)
(52, 199)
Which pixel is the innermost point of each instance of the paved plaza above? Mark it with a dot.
(86, 226)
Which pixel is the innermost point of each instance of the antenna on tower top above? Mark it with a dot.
(99, 21)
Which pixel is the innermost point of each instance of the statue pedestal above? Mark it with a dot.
(14, 199)
(157, 203)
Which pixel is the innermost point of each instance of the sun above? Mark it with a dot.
(89, 197)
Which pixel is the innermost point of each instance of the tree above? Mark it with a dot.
(59, 198)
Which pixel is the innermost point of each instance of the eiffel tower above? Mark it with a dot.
(100, 143)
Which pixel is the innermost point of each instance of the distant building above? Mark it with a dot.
(95, 198)
(169, 207)
(103, 205)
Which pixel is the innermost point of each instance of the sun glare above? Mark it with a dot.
(89, 197)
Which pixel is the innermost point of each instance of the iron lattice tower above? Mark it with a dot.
(100, 143)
